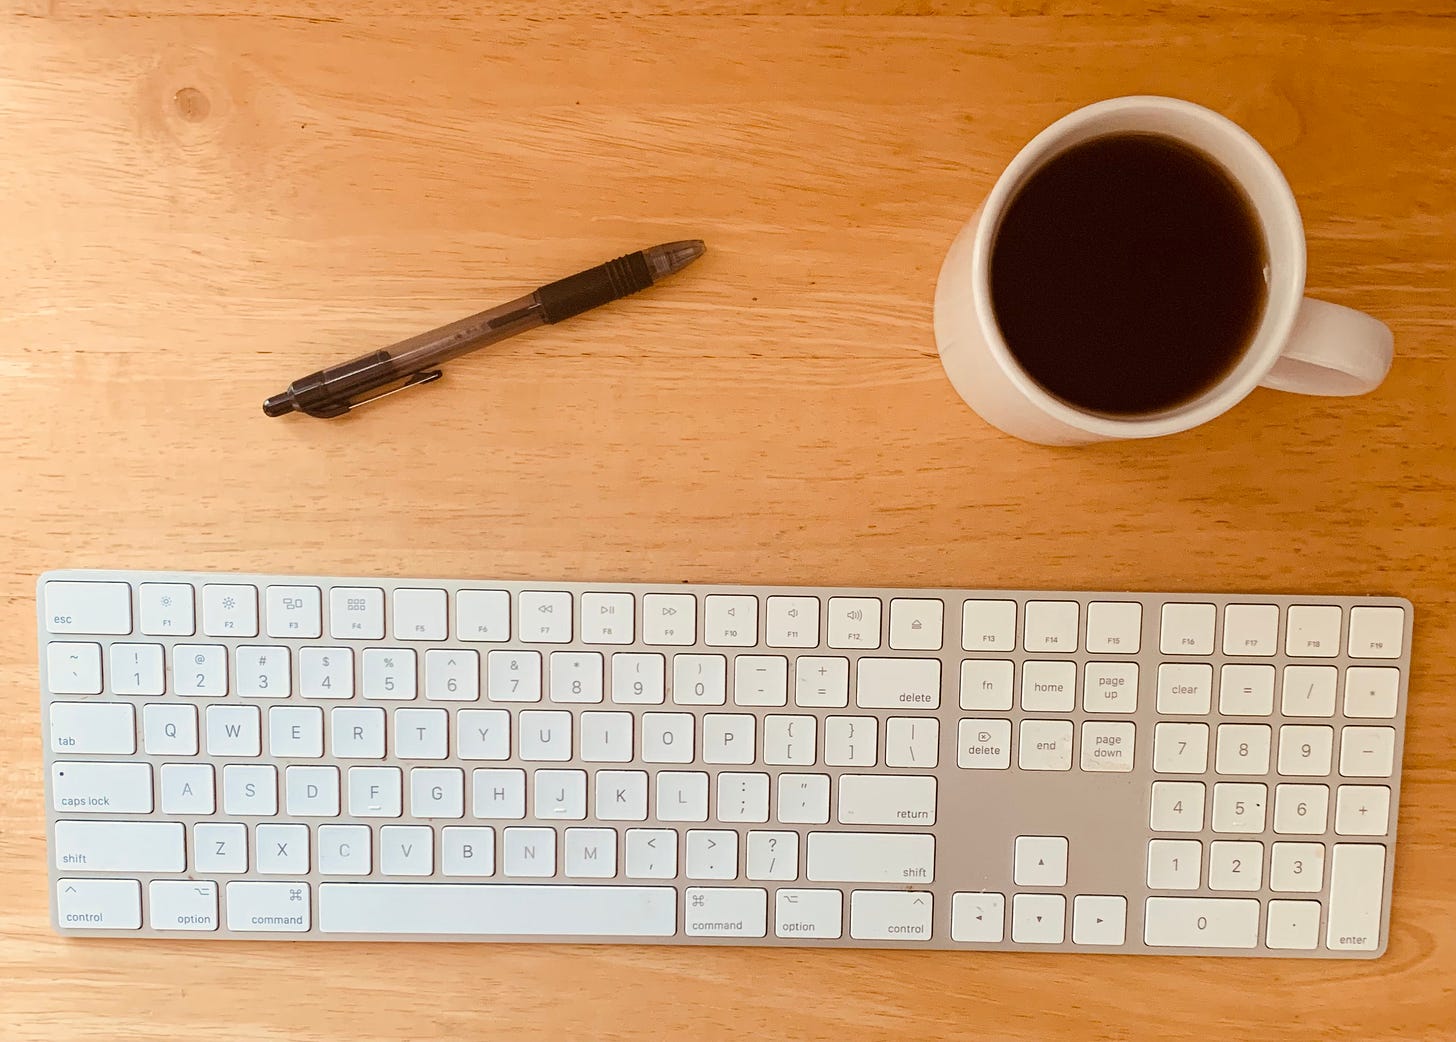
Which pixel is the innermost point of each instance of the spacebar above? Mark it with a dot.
(500, 909)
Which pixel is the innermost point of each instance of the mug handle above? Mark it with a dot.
(1333, 350)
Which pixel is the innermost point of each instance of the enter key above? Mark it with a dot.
(866, 799)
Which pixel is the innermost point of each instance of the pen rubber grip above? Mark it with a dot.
(594, 287)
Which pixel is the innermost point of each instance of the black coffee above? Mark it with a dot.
(1128, 274)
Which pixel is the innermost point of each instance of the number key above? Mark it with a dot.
(1177, 806)
(262, 672)
(1301, 810)
(326, 673)
(513, 676)
(1174, 864)
(1239, 807)
(1297, 868)
(1180, 748)
(1242, 749)
(1235, 866)
(199, 669)
(1305, 750)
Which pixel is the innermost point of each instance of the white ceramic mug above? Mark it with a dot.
(1301, 345)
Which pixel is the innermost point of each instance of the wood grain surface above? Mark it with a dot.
(200, 201)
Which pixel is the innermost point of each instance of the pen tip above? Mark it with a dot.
(278, 405)
(672, 257)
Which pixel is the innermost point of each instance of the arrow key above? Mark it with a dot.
(978, 918)
(1038, 918)
(1099, 920)
(1041, 861)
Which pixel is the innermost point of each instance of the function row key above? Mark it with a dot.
(1311, 630)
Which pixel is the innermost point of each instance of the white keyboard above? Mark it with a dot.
(255, 756)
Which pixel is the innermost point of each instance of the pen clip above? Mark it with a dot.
(428, 376)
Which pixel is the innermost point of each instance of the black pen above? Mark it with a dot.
(336, 390)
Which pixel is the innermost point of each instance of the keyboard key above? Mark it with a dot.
(230, 610)
(313, 792)
(652, 854)
(1185, 688)
(978, 917)
(1305, 750)
(188, 905)
(136, 669)
(1313, 631)
(1243, 749)
(742, 797)
(622, 795)
(808, 913)
(344, 850)
(1309, 691)
(357, 733)
(1377, 632)
(1239, 807)
(467, 850)
(607, 618)
(188, 788)
(890, 915)
(199, 670)
(669, 618)
(1293, 925)
(667, 737)
(87, 607)
(1297, 868)
(1048, 687)
(1201, 922)
(916, 624)
(1362, 810)
(725, 912)
(1357, 888)
(420, 615)
(73, 668)
(543, 616)
(760, 680)
(484, 734)
(1235, 866)
(522, 910)
(576, 676)
(407, 850)
(513, 676)
(1367, 752)
(851, 741)
(483, 615)
(220, 848)
(389, 674)
(1187, 629)
(1245, 690)
(910, 742)
(295, 732)
(1051, 626)
(987, 684)
(592, 853)
(789, 740)
(793, 622)
(728, 738)
(250, 790)
(867, 799)
(772, 855)
(1250, 629)
(93, 727)
(1114, 627)
(99, 904)
(356, 613)
(262, 672)
(854, 622)
(874, 857)
(1108, 747)
(988, 625)
(559, 795)
(730, 621)
(1371, 692)
(1110, 687)
(699, 680)
(269, 907)
(119, 846)
(1038, 918)
(1046, 745)
(1099, 921)
(803, 799)
(377, 792)
(281, 849)
(1041, 861)
(682, 796)
(898, 683)
(1301, 810)
(547, 735)
(234, 730)
(423, 734)
(984, 745)
(326, 672)
(638, 679)
(101, 788)
(294, 611)
(1177, 806)
(529, 853)
(166, 609)
(169, 729)
(498, 794)
(711, 854)
(821, 682)
(1174, 864)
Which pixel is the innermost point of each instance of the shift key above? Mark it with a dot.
(875, 857)
(120, 846)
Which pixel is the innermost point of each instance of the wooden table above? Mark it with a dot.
(202, 201)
